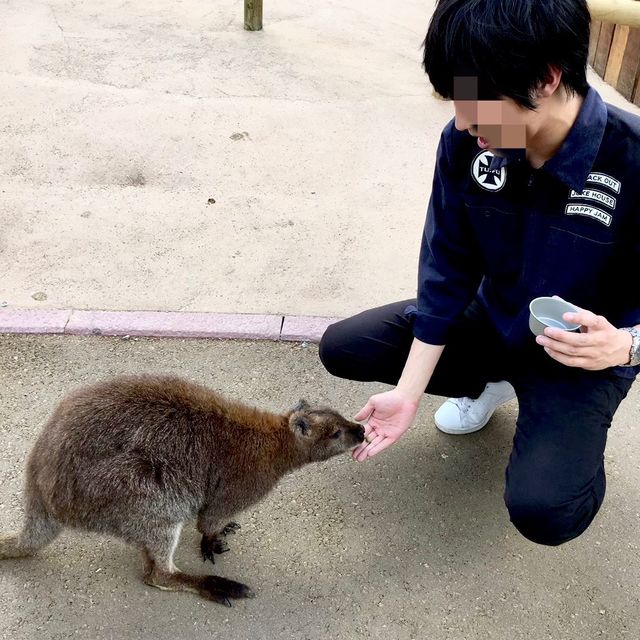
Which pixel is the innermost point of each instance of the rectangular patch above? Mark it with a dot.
(605, 181)
(598, 196)
(590, 212)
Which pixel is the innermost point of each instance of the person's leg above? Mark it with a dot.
(555, 479)
(374, 345)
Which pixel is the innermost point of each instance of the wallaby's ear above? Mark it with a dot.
(300, 425)
(302, 405)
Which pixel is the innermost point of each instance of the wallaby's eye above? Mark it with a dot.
(336, 434)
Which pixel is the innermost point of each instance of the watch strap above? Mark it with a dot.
(634, 352)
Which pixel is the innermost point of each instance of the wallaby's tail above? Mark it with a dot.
(10, 547)
(38, 531)
(36, 534)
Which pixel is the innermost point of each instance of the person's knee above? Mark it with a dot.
(538, 523)
(330, 349)
(545, 518)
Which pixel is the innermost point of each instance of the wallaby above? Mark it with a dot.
(138, 456)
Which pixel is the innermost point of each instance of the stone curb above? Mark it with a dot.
(164, 324)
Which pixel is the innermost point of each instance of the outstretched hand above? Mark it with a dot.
(389, 415)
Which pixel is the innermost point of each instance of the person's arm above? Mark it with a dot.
(421, 362)
(449, 273)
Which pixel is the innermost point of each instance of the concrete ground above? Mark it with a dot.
(119, 123)
(414, 544)
(154, 156)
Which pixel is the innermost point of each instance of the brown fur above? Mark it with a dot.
(137, 457)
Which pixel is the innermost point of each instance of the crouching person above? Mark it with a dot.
(535, 193)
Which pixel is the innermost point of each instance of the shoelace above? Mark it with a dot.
(464, 404)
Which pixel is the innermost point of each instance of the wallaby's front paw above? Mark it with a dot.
(211, 545)
(230, 527)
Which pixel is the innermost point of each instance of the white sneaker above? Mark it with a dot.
(464, 415)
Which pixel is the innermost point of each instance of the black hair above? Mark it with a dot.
(508, 45)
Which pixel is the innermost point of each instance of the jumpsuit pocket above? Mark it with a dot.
(571, 264)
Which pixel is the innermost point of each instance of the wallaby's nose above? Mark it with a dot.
(360, 433)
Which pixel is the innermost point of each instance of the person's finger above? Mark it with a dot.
(358, 450)
(365, 412)
(372, 438)
(369, 435)
(363, 452)
(586, 319)
(374, 450)
(569, 337)
(369, 430)
(573, 349)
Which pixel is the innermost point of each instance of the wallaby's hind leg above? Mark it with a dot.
(39, 528)
(159, 571)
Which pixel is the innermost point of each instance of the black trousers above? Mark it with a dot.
(555, 478)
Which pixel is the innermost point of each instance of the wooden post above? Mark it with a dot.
(602, 50)
(593, 40)
(253, 15)
(616, 55)
(630, 69)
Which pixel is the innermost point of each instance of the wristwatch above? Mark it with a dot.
(634, 352)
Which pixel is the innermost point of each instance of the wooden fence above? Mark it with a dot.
(614, 54)
(614, 50)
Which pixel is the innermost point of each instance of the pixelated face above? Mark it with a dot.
(496, 123)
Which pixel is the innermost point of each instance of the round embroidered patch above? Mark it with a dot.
(489, 179)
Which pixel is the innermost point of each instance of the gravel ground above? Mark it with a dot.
(413, 544)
